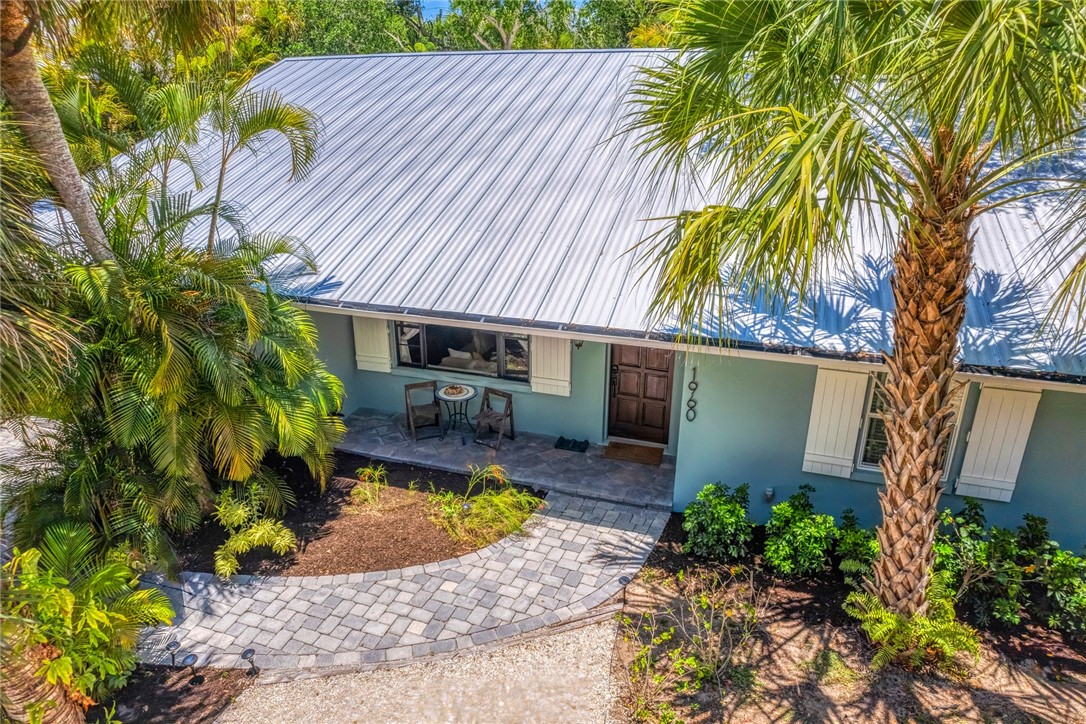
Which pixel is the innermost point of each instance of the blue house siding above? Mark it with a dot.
(752, 428)
(581, 415)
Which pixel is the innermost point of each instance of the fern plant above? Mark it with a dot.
(247, 512)
(915, 642)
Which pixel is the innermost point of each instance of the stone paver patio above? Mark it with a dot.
(530, 459)
(571, 558)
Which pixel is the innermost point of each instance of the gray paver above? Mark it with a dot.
(569, 560)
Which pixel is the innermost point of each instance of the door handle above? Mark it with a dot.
(614, 380)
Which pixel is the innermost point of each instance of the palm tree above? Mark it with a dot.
(177, 23)
(70, 619)
(806, 116)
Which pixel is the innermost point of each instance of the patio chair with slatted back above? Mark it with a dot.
(498, 416)
(423, 409)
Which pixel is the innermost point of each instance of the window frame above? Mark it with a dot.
(499, 351)
(869, 415)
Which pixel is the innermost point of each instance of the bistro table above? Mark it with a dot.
(456, 399)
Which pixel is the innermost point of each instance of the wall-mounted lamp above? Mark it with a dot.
(768, 494)
(577, 343)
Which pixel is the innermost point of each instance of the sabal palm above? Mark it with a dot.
(805, 116)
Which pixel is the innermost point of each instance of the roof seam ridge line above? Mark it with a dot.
(445, 53)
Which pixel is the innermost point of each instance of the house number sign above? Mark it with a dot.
(692, 404)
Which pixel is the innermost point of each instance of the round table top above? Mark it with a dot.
(456, 393)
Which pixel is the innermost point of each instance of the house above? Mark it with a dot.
(477, 218)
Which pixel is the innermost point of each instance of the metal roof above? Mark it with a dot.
(496, 187)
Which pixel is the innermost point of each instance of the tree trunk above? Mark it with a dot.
(25, 693)
(20, 79)
(931, 272)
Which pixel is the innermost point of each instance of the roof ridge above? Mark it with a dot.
(525, 51)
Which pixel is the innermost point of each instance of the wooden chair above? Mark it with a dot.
(492, 416)
(423, 408)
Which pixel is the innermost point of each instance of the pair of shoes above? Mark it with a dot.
(572, 445)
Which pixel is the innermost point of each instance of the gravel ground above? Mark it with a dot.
(561, 678)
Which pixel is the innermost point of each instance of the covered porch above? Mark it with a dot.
(530, 459)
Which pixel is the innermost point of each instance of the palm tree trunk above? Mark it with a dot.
(22, 85)
(25, 693)
(931, 271)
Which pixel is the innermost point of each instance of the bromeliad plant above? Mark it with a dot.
(490, 509)
(809, 121)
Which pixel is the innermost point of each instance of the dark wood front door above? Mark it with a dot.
(640, 393)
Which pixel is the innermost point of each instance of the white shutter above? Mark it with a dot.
(997, 442)
(836, 416)
(550, 365)
(371, 346)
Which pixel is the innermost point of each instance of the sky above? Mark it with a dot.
(430, 8)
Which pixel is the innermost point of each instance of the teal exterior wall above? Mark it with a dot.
(752, 428)
(582, 415)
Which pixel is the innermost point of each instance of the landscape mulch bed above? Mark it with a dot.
(161, 695)
(1026, 674)
(335, 536)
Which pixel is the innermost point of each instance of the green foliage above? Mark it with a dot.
(918, 641)
(797, 539)
(490, 509)
(371, 481)
(829, 667)
(84, 608)
(856, 549)
(346, 27)
(247, 512)
(1064, 581)
(716, 523)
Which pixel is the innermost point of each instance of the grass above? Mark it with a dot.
(829, 667)
(490, 509)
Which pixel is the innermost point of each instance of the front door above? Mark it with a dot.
(640, 393)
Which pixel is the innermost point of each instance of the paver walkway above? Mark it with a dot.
(530, 459)
(570, 560)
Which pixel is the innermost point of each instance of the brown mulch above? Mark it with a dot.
(336, 536)
(1010, 683)
(161, 695)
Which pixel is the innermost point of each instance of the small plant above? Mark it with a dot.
(371, 482)
(1064, 580)
(798, 539)
(919, 641)
(829, 667)
(70, 621)
(246, 511)
(856, 549)
(497, 510)
(717, 523)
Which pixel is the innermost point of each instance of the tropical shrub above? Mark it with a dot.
(490, 509)
(371, 481)
(1064, 581)
(856, 549)
(798, 539)
(716, 523)
(915, 642)
(248, 511)
(71, 618)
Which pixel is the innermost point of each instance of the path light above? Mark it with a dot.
(190, 661)
(247, 655)
(172, 647)
(624, 580)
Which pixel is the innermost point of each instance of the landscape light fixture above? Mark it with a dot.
(172, 647)
(190, 661)
(624, 580)
(247, 655)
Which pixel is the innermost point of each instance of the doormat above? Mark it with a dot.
(634, 453)
(574, 445)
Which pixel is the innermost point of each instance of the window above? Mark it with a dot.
(474, 351)
(874, 430)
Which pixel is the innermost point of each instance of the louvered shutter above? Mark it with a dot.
(550, 365)
(371, 345)
(834, 428)
(997, 442)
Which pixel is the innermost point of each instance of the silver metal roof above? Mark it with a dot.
(494, 186)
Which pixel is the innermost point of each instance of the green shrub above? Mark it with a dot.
(371, 482)
(856, 549)
(915, 642)
(247, 512)
(717, 523)
(1064, 579)
(77, 614)
(798, 539)
(498, 510)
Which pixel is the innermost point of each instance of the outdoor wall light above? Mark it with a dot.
(247, 655)
(578, 343)
(172, 647)
(768, 494)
